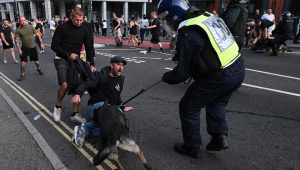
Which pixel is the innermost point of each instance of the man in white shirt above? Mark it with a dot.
(52, 26)
(269, 16)
(144, 23)
(122, 23)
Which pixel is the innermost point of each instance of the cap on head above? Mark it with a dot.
(118, 59)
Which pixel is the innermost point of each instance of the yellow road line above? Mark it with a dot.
(89, 146)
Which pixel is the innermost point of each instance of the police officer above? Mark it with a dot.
(206, 51)
(235, 17)
(285, 31)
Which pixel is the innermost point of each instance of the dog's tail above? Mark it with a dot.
(103, 154)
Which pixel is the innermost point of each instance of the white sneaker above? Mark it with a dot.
(77, 118)
(4, 61)
(79, 136)
(16, 61)
(0, 44)
(56, 114)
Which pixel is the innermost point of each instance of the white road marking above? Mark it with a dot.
(148, 58)
(279, 75)
(263, 88)
(273, 90)
(126, 58)
(47, 45)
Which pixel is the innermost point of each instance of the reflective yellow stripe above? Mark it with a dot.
(225, 56)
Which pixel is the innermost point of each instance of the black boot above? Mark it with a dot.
(193, 152)
(217, 143)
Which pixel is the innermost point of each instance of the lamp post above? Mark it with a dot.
(148, 10)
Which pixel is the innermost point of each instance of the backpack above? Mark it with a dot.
(78, 73)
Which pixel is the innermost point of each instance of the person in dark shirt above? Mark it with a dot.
(7, 37)
(97, 26)
(256, 15)
(66, 43)
(155, 32)
(61, 21)
(66, 19)
(40, 28)
(104, 85)
(265, 26)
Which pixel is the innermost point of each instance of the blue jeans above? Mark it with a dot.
(92, 128)
(142, 33)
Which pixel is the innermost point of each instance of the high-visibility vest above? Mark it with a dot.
(219, 36)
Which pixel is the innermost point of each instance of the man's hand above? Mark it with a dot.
(128, 108)
(42, 46)
(76, 99)
(73, 56)
(93, 69)
(162, 79)
(20, 52)
(215, 13)
(6, 44)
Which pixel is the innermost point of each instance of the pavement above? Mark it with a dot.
(262, 115)
(22, 147)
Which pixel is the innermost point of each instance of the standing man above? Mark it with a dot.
(52, 26)
(26, 34)
(269, 16)
(285, 31)
(90, 26)
(97, 27)
(40, 28)
(155, 32)
(104, 85)
(256, 15)
(122, 24)
(116, 27)
(67, 43)
(143, 27)
(235, 17)
(216, 66)
(66, 19)
(7, 37)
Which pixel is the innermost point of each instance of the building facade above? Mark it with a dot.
(102, 9)
(94, 9)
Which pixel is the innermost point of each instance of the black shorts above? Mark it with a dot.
(31, 52)
(11, 45)
(62, 67)
(155, 39)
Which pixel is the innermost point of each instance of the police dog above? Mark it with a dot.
(114, 130)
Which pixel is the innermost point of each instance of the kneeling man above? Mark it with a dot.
(104, 85)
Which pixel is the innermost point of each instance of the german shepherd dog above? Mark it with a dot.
(114, 130)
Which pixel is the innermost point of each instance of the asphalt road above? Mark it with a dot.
(262, 115)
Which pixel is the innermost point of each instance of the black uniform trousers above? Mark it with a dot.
(213, 92)
(279, 40)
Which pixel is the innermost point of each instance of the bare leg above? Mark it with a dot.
(159, 44)
(13, 53)
(75, 107)
(37, 63)
(4, 54)
(61, 93)
(22, 66)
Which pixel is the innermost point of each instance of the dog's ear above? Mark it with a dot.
(105, 103)
(103, 154)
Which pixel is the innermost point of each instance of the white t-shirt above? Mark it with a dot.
(104, 25)
(144, 22)
(268, 17)
(52, 25)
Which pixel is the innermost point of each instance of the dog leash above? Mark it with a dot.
(142, 91)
